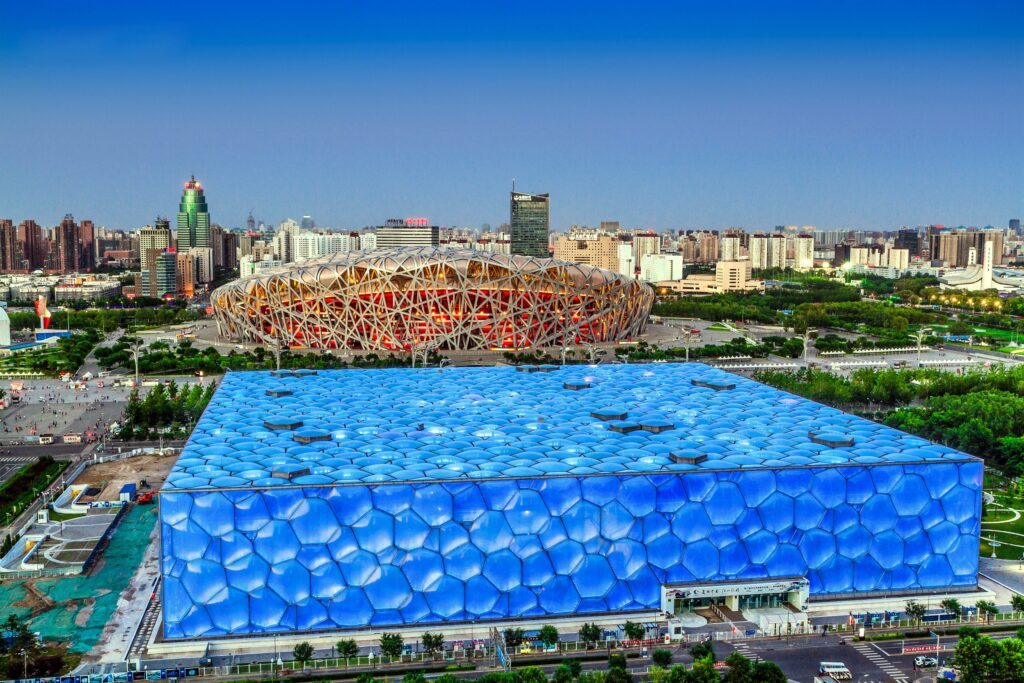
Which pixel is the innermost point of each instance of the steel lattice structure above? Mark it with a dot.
(409, 298)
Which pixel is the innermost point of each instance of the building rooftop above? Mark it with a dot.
(311, 428)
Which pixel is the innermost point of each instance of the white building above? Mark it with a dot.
(248, 266)
(5, 327)
(661, 267)
(202, 260)
(729, 248)
(803, 252)
(767, 251)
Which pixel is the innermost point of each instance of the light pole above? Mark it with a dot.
(919, 337)
(136, 347)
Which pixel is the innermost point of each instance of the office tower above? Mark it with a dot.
(87, 235)
(589, 247)
(193, 217)
(1015, 226)
(185, 276)
(909, 239)
(8, 241)
(161, 277)
(610, 226)
(231, 243)
(67, 242)
(411, 232)
(284, 240)
(530, 223)
(156, 237)
(250, 223)
(308, 223)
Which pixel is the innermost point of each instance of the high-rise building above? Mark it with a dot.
(203, 259)
(30, 234)
(729, 246)
(909, 239)
(308, 223)
(232, 240)
(8, 241)
(767, 251)
(67, 243)
(185, 276)
(1015, 226)
(530, 224)
(157, 237)
(589, 247)
(217, 245)
(193, 217)
(161, 278)
(645, 242)
(87, 232)
(803, 252)
(411, 232)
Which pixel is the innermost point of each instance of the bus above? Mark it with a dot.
(835, 670)
(45, 439)
(72, 438)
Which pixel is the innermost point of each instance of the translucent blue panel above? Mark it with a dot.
(284, 559)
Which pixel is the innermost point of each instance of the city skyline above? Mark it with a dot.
(878, 118)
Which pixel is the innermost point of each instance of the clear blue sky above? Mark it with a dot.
(660, 114)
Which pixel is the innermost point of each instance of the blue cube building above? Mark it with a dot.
(377, 499)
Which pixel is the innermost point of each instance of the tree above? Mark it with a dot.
(768, 672)
(347, 648)
(532, 674)
(391, 644)
(951, 605)
(414, 677)
(703, 671)
(987, 608)
(548, 635)
(563, 674)
(634, 631)
(662, 657)
(1017, 603)
(915, 611)
(618, 676)
(590, 633)
(979, 659)
(575, 668)
(616, 660)
(302, 653)
(967, 632)
(740, 669)
(702, 650)
(433, 642)
(513, 637)
(677, 674)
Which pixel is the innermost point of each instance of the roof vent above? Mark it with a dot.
(713, 384)
(282, 424)
(623, 427)
(576, 386)
(831, 439)
(292, 373)
(278, 393)
(527, 368)
(609, 414)
(688, 459)
(294, 474)
(311, 435)
(657, 426)
(547, 368)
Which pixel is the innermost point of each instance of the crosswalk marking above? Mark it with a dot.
(881, 661)
(745, 650)
(15, 458)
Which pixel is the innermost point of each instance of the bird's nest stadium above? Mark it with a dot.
(429, 298)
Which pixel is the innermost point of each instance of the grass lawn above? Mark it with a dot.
(720, 327)
(994, 523)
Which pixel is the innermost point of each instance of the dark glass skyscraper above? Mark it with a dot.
(193, 217)
(530, 223)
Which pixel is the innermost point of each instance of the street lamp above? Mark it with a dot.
(136, 347)
(919, 336)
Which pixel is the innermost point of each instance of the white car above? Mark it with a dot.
(925, 662)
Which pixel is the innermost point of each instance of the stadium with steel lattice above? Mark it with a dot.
(443, 299)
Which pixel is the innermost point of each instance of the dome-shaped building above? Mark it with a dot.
(445, 299)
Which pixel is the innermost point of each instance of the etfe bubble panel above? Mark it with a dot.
(290, 559)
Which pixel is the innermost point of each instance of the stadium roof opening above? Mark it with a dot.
(265, 429)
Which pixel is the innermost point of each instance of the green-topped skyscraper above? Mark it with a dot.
(193, 217)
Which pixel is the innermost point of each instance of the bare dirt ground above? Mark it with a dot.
(109, 477)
